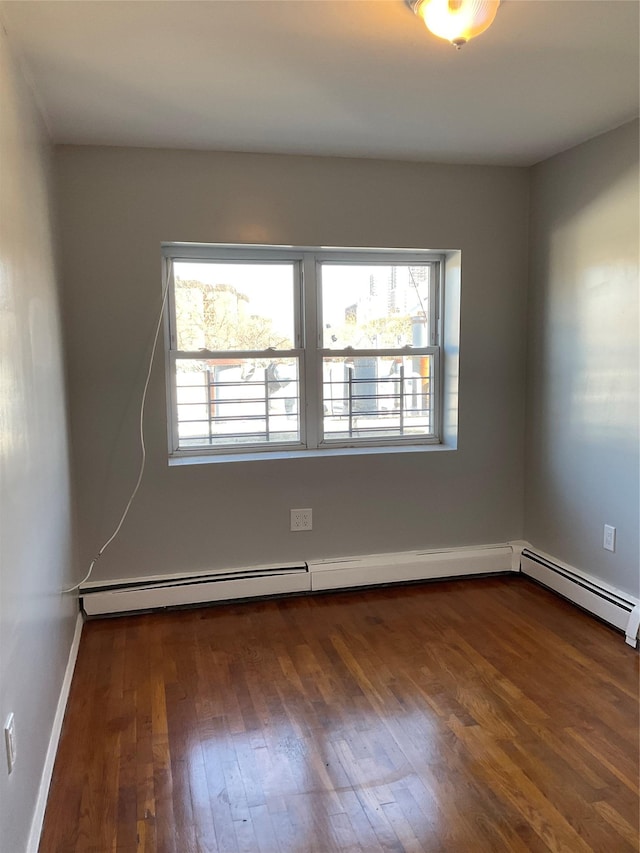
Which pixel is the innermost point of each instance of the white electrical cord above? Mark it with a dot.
(143, 448)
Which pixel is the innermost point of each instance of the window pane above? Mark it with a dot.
(230, 402)
(375, 306)
(378, 397)
(234, 306)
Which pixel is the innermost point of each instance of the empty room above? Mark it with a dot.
(319, 426)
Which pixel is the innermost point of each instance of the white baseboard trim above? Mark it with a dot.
(608, 603)
(409, 566)
(633, 627)
(47, 771)
(136, 594)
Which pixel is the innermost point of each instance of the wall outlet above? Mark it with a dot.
(10, 741)
(301, 519)
(609, 541)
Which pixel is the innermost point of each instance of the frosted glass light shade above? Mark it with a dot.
(457, 21)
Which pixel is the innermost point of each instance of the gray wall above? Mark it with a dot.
(117, 205)
(582, 433)
(36, 622)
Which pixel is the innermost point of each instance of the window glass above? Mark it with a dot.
(377, 397)
(229, 402)
(375, 306)
(234, 306)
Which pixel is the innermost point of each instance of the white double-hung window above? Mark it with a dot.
(280, 349)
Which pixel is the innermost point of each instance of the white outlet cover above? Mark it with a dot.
(609, 541)
(301, 519)
(10, 741)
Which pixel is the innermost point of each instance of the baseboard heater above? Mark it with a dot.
(151, 593)
(376, 569)
(136, 594)
(611, 605)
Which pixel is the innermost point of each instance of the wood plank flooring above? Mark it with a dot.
(458, 717)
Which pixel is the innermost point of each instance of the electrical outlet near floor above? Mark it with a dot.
(10, 741)
(301, 519)
(609, 541)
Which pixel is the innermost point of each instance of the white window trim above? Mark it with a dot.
(307, 316)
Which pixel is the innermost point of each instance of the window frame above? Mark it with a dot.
(308, 340)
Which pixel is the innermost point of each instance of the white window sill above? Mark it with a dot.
(272, 455)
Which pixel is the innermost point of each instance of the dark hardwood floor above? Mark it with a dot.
(478, 715)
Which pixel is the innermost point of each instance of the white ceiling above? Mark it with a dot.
(351, 78)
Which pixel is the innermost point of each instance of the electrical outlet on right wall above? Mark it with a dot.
(609, 542)
(10, 741)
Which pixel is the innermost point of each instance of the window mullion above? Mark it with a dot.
(171, 326)
(377, 352)
(170, 365)
(172, 393)
(437, 398)
(205, 354)
(434, 304)
(298, 306)
(312, 385)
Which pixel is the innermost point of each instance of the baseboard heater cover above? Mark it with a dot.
(618, 609)
(409, 566)
(150, 593)
(135, 594)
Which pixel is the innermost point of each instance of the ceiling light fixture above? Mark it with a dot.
(457, 21)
